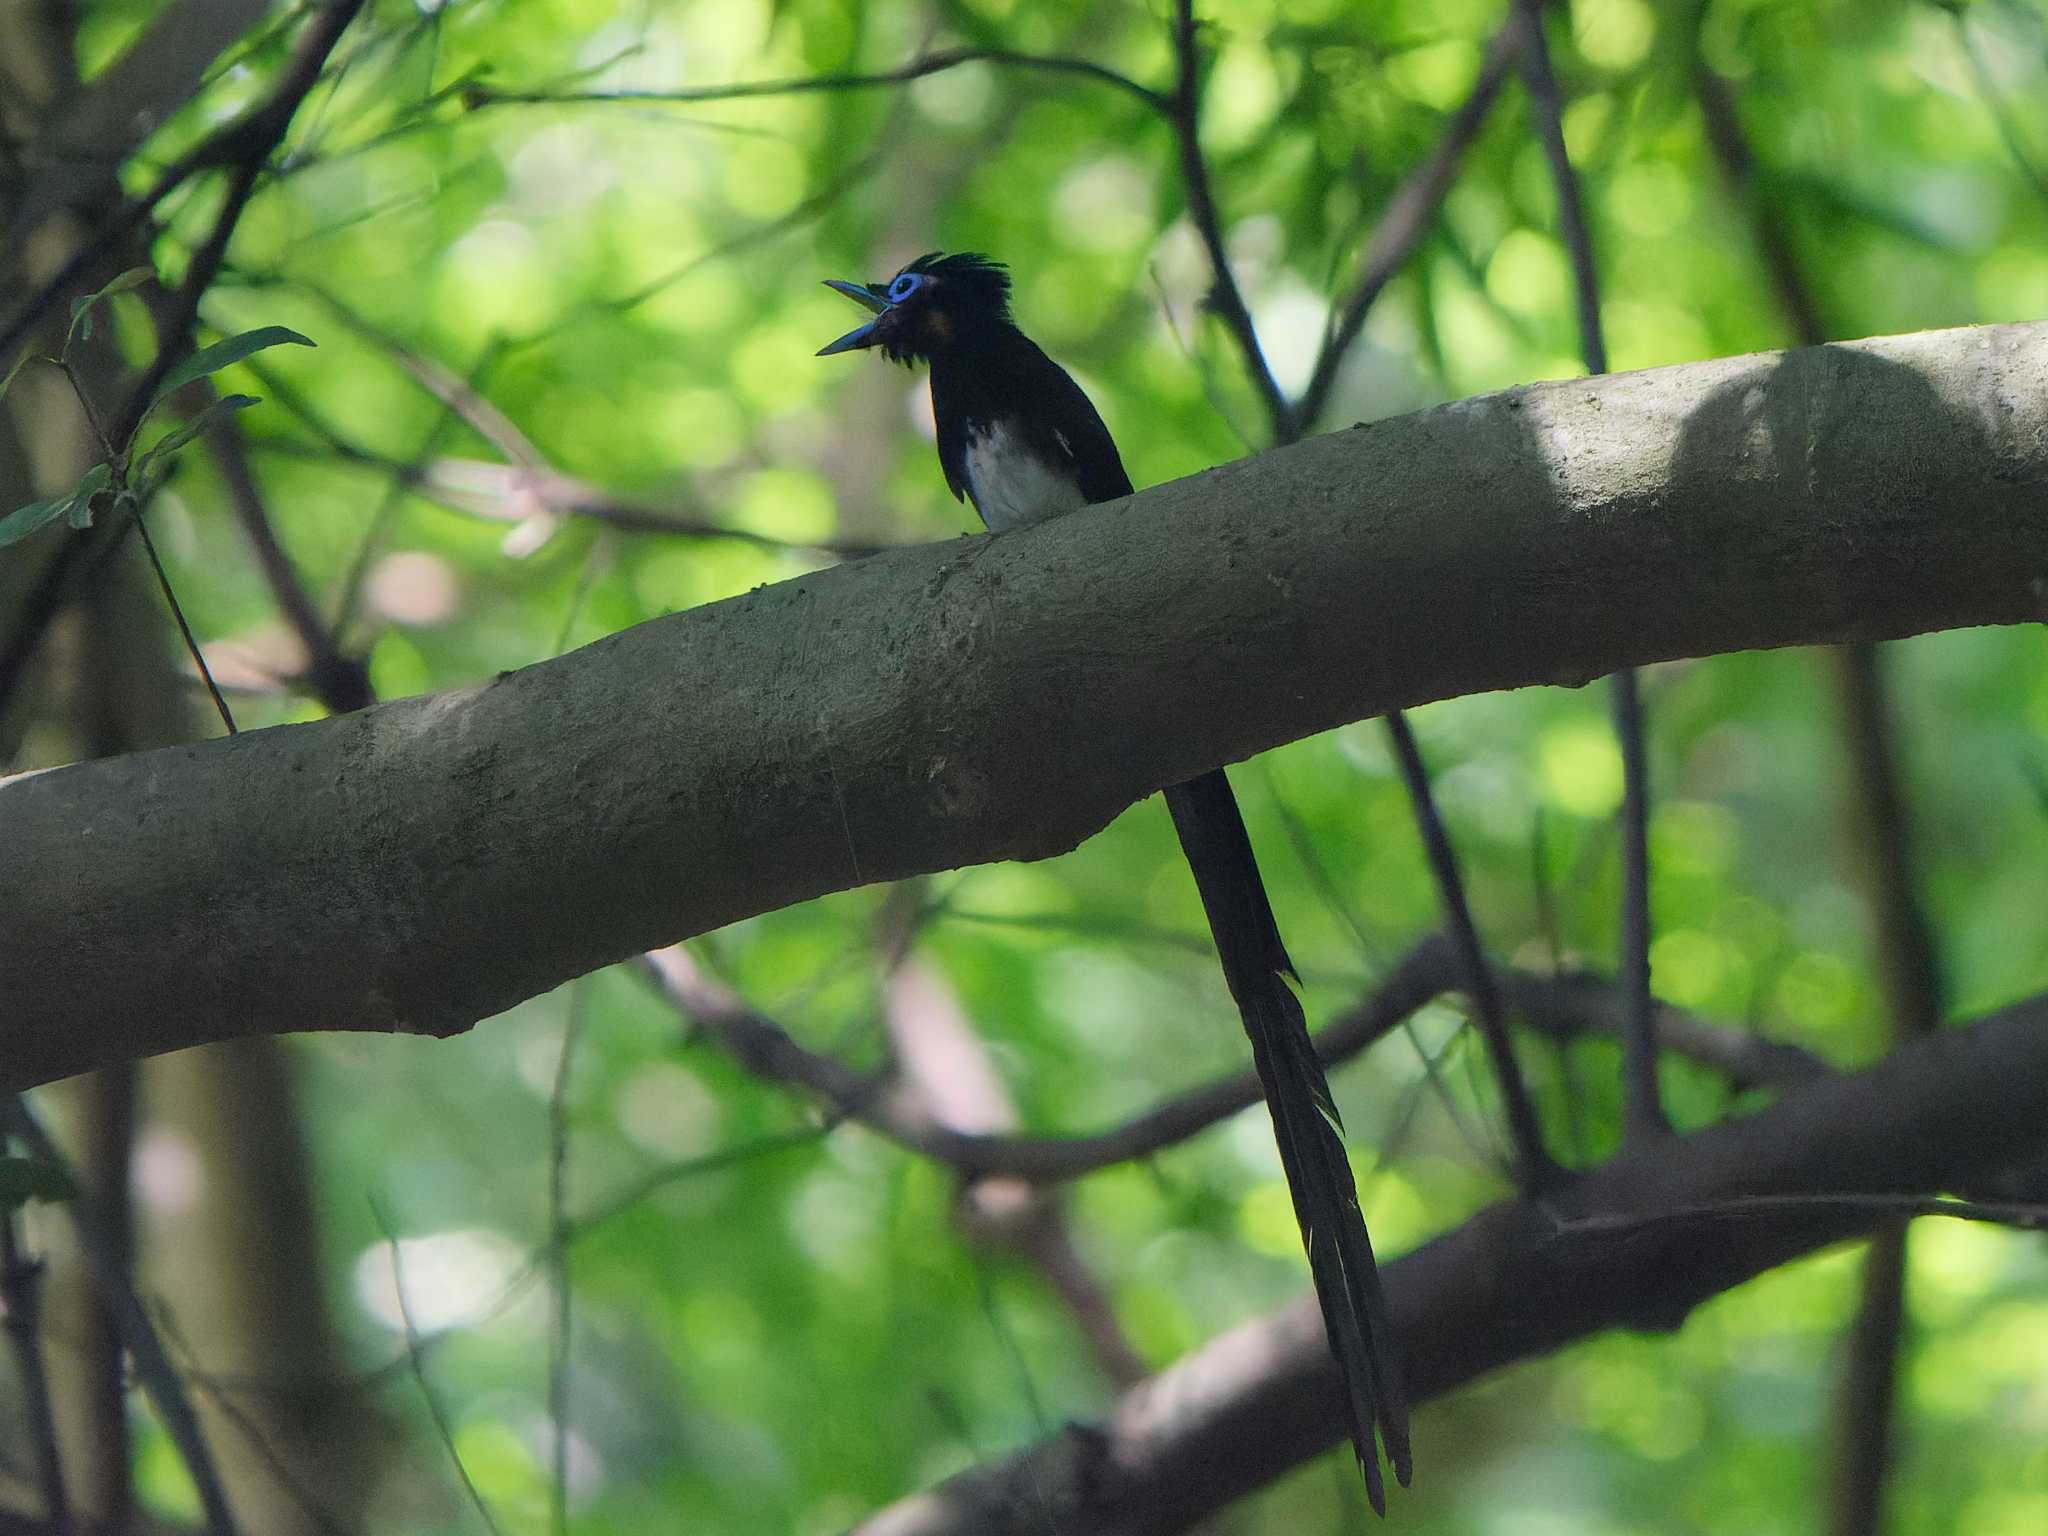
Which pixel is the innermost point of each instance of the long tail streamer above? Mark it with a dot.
(1305, 1121)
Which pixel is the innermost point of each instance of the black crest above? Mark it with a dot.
(970, 281)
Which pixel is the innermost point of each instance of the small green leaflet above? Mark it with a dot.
(162, 449)
(8, 378)
(222, 354)
(23, 521)
(23, 1179)
(81, 309)
(75, 504)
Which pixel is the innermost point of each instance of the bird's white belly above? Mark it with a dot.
(1013, 486)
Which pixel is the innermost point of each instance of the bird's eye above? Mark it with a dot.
(905, 285)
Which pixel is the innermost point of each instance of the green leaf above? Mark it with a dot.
(224, 353)
(85, 501)
(81, 309)
(19, 363)
(23, 1179)
(164, 447)
(23, 521)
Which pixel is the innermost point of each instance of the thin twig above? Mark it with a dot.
(1558, 1005)
(1731, 148)
(1642, 1106)
(1533, 1165)
(221, 1390)
(476, 410)
(145, 1348)
(1994, 102)
(261, 134)
(21, 1296)
(416, 1356)
(246, 146)
(163, 581)
(479, 96)
(1224, 297)
(338, 680)
(695, 1168)
(558, 1264)
(1401, 228)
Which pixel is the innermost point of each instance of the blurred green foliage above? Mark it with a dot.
(792, 1338)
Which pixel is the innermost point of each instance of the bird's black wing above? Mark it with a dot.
(949, 426)
(1069, 428)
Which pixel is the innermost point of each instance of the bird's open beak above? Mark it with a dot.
(863, 336)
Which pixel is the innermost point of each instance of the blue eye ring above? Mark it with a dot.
(904, 286)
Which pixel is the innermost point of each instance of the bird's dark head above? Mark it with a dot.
(930, 307)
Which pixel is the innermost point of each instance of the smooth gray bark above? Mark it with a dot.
(429, 862)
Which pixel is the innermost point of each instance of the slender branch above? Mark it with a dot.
(163, 582)
(145, 1348)
(478, 96)
(561, 1315)
(1642, 1106)
(1224, 297)
(1865, 1414)
(460, 396)
(512, 493)
(415, 1352)
(1642, 1102)
(245, 145)
(257, 139)
(1562, 1006)
(20, 1299)
(1994, 102)
(1407, 218)
(1730, 144)
(340, 682)
(1533, 1164)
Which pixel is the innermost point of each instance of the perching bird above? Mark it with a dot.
(1019, 438)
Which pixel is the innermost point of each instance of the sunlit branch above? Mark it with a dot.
(470, 405)
(997, 697)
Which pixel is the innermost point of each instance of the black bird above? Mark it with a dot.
(1018, 437)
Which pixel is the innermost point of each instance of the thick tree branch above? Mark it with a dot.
(428, 862)
(1636, 1244)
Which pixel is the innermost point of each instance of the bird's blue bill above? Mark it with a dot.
(861, 336)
